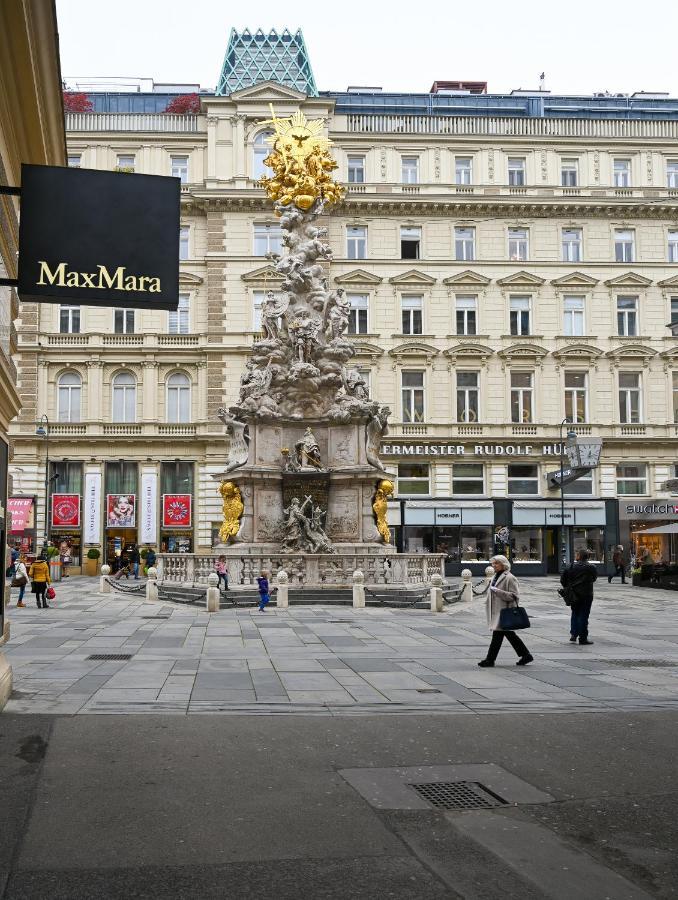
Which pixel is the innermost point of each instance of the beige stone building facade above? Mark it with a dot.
(506, 272)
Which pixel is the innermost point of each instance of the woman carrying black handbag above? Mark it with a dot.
(504, 614)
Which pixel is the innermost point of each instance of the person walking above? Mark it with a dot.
(502, 591)
(39, 575)
(264, 597)
(20, 579)
(222, 572)
(150, 558)
(579, 578)
(134, 560)
(618, 564)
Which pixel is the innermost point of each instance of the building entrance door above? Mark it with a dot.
(551, 550)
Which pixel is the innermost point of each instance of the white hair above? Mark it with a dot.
(502, 559)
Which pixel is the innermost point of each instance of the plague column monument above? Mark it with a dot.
(303, 474)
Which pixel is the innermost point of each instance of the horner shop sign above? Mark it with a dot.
(439, 449)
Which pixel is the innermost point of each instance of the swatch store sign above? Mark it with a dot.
(106, 239)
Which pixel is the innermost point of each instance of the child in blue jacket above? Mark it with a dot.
(262, 581)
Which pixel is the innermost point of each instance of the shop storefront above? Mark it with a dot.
(22, 534)
(636, 518)
(120, 509)
(176, 506)
(65, 525)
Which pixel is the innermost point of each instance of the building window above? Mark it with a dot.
(413, 479)
(569, 172)
(624, 245)
(413, 396)
(356, 241)
(178, 321)
(74, 161)
(412, 313)
(467, 478)
(523, 479)
(629, 398)
(178, 398)
(267, 239)
(632, 479)
(674, 310)
(409, 167)
(582, 487)
(576, 396)
(356, 169)
(466, 308)
(573, 316)
(410, 242)
(627, 316)
(358, 317)
(516, 171)
(518, 244)
(465, 243)
(261, 150)
(179, 168)
(69, 393)
(123, 321)
(675, 397)
(124, 397)
(124, 162)
(69, 320)
(183, 241)
(671, 173)
(463, 170)
(258, 298)
(521, 397)
(622, 173)
(572, 244)
(467, 396)
(519, 314)
(673, 246)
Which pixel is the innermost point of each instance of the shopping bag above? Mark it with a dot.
(513, 618)
(51, 593)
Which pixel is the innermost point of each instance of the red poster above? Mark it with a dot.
(19, 509)
(65, 510)
(176, 510)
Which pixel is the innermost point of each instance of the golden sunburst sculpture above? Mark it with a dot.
(301, 163)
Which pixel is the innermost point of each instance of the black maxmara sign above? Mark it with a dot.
(99, 238)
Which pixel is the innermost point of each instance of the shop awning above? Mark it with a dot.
(660, 529)
(19, 509)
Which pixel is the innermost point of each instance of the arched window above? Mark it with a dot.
(124, 397)
(69, 393)
(261, 151)
(178, 398)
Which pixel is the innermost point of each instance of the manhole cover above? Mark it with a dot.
(458, 795)
(110, 656)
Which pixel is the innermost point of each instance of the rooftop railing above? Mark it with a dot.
(133, 122)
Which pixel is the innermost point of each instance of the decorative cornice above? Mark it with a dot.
(629, 279)
(574, 280)
(262, 275)
(579, 351)
(358, 276)
(526, 351)
(412, 276)
(521, 279)
(414, 348)
(468, 278)
(634, 350)
(473, 350)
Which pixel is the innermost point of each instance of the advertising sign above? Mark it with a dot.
(20, 513)
(65, 510)
(148, 514)
(176, 510)
(121, 510)
(92, 511)
(106, 239)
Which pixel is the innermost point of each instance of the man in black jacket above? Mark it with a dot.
(579, 578)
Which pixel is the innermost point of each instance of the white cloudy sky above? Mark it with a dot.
(402, 45)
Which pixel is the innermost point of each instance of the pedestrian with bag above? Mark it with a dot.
(222, 572)
(618, 564)
(264, 597)
(134, 560)
(504, 614)
(20, 580)
(39, 575)
(577, 582)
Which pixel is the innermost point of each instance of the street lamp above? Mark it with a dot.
(43, 431)
(571, 442)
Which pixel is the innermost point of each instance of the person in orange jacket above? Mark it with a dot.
(39, 575)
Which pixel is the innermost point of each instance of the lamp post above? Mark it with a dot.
(571, 440)
(43, 431)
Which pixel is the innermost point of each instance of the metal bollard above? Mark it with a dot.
(213, 594)
(104, 586)
(436, 593)
(152, 584)
(282, 594)
(358, 589)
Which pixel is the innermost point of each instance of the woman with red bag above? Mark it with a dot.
(39, 575)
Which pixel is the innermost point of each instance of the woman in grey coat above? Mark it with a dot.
(502, 592)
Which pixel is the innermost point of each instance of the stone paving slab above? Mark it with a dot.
(315, 660)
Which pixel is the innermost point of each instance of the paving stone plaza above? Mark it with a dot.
(334, 660)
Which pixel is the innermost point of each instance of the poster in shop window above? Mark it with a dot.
(121, 510)
(176, 510)
(65, 510)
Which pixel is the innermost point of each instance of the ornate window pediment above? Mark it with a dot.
(187, 279)
(670, 354)
(574, 280)
(578, 351)
(669, 282)
(475, 351)
(413, 349)
(358, 276)
(268, 90)
(365, 349)
(521, 279)
(468, 278)
(262, 275)
(412, 276)
(637, 351)
(629, 280)
(523, 351)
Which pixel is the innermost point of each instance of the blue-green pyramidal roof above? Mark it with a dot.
(252, 58)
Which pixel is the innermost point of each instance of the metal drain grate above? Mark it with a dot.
(458, 795)
(428, 691)
(641, 663)
(110, 656)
